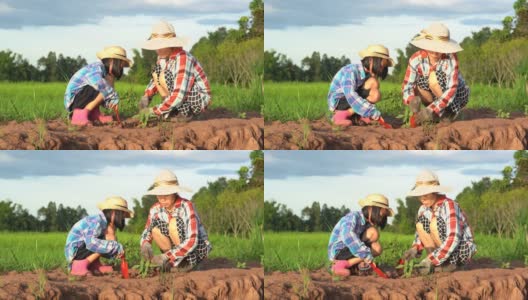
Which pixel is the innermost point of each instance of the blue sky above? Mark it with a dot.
(298, 178)
(35, 27)
(299, 27)
(34, 178)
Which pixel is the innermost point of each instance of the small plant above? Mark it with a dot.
(143, 268)
(505, 265)
(405, 117)
(526, 110)
(407, 267)
(526, 260)
(302, 291)
(39, 290)
(241, 265)
(143, 118)
(502, 114)
(242, 115)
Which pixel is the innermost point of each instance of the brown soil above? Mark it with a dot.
(475, 129)
(217, 129)
(216, 279)
(481, 280)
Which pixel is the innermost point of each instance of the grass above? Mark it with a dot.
(292, 251)
(23, 101)
(28, 251)
(293, 101)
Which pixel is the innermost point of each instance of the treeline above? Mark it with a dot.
(278, 217)
(493, 207)
(492, 57)
(278, 67)
(13, 217)
(231, 207)
(53, 67)
(231, 56)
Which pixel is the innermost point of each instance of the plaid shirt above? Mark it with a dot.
(87, 232)
(194, 228)
(457, 231)
(419, 65)
(93, 75)
(347, 233)
(188, 74)
(345, 84)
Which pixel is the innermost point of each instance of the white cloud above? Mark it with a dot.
(5, 9)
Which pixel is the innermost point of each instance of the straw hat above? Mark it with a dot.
(426, 183)
(164, 36)
(436, 38)
(376, 51)
(115, 52)
(166, 183)
(376, 200)
(117, 203)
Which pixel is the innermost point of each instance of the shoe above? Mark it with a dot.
(97, 115)
(98, 266)
(341, 118)
(80, 117)
(80, 267)
(340, 268)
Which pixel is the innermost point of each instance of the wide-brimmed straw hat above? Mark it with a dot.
(376, 51)
(436, 38)
(376, 200)
(426, 183)
(166, 183)
(115, 52)
(164, 36)
(117, 203)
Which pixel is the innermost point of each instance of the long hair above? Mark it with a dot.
(113, 66)
(375, 216)
(377, 69)
(119, 218)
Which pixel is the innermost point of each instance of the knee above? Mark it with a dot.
(371, 235)
(376, 249)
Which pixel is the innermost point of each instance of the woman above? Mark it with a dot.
(93, 86)
(174, 225)
(95, 236)
(178, 77)
(441, 228)
(433, 79)
(354, 90)
(354, 239)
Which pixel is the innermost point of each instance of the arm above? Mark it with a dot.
(146, 236)
(353, 241)
(360, 106)
(408, 81)
(448, 96)
(111, 97)
(181, 84)
(97, 245)
(417, 243)
(452, 240)
(191, 241)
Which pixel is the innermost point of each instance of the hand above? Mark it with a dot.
(146, 251)
(425, 267)
(161, 260)
(410, 254)
(144, 102)
(120, 252)
(368, 260)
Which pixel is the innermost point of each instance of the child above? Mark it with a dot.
(354, 90)
(354, 239)
(174, 225)
(94, 236)
(93, 85)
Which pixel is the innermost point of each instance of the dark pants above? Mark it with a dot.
(342, 104)
(86, 95)
(83, 253)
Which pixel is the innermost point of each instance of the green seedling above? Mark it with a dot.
(241, 265)
(526, 260)
(505, 265)
(503, 114)
(405, 117)
(407, 267)
(143, 268)
(242, 115)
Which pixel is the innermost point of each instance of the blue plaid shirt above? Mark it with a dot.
(86, 232)
(347, 233)
(93, 75)
(345, 84)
